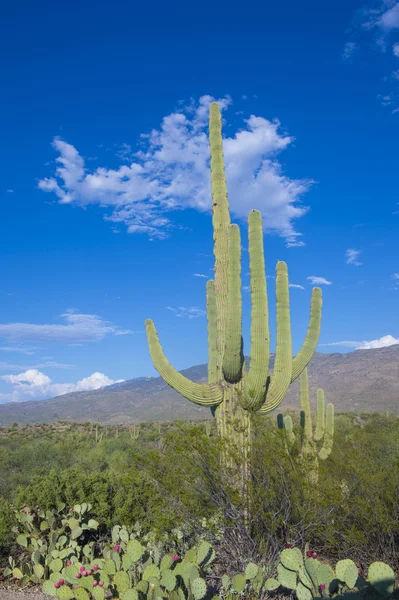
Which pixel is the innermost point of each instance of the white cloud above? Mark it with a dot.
(5, 366)
(9, 191)
(33, 384)
(386, 340)
(200, 275)
(296, 285)
(191, 312)
(395, 50)
(79, 328)
(396, 276)
(318, 280)
(351, 257)
(172, 173)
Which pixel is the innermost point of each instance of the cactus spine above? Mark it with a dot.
(324, 429)
(233, 393)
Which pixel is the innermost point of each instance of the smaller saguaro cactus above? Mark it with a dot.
(135, 431)
(99, 436)
(310, 453)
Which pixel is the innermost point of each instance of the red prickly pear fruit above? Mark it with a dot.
(88, 572)
(68, 563)
(116, 548)
(95, 567)
(309, 554)
(82, 569)
(359, 571)
(288, 545)
(56, 585)
(84, 573)
(322, 587)
(176, 557)
(101, 583)
(61, 582)
(78, 575)
(94, 583)
(314, 555)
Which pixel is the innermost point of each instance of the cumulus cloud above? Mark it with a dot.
(79, 328)
(296, 285)
(318, 280)
(33, 385)
(191, 312)
(352, 256)
(386, 340)
(171, 173)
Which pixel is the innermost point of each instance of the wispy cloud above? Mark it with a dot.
(386, 340)
(200, 275)
(19, 349)
(33, 384)
(318, 280)
(171, 173)
(79, 328)
(50, 364)
(296, 285)
(191, 312)
(351, 256)
(378, 25)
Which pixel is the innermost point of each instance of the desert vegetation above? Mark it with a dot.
(247, 503)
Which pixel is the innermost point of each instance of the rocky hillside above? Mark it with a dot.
(360, 381)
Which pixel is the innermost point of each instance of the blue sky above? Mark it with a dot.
(105, 184)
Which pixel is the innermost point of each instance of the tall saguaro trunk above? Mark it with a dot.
(234, 394)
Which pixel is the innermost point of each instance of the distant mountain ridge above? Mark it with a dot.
(360, 381)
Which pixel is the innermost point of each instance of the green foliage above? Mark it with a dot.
(310, 578)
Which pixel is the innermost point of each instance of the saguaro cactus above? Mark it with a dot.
(310, 454)
(233, 393)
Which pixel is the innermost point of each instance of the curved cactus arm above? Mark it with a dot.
(254, 388)
(233, 358)
(305, 354)
(205, 394)
(320, 416)
(220, 222)
(211, 315)
(328, 434)
(281, 378)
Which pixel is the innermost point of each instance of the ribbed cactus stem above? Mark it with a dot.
(212, 333)
(254, 391)
(320, 416)
(306, 417)
(328, 443)
(281, 378)
(221, 222)
(233, 354)
(289, 428)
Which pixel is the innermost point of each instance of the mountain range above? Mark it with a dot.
(359, 381)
